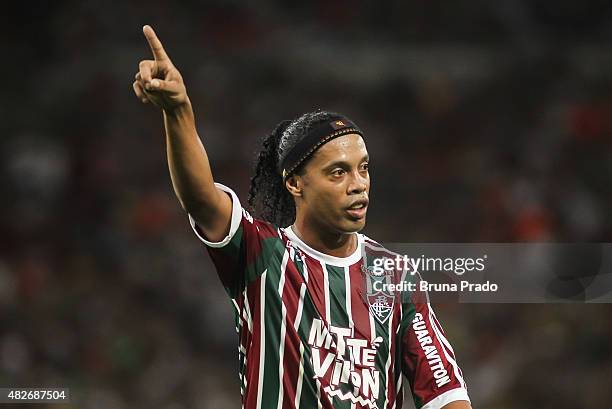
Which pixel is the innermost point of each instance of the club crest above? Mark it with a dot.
(380, 301)
(381, 305)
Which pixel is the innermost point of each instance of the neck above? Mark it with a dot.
(327, 242)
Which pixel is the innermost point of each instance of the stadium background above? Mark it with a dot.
(486, 121)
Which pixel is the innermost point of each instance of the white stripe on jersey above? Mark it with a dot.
(326, 288)
(349, 307)
(448, 345)
(298, 388)
(305, 268)
(372, 326)
(298, 316)
(283, 333)
(398, 381)
(247, 310)
(388, 363)
(347, 289)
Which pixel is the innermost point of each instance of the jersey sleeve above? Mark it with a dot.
(428, 360)
(239, 257)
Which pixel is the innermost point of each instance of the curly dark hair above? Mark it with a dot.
(269, 199)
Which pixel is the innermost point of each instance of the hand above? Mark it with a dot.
(158, 81)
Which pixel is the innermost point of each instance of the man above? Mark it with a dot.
(309, 337)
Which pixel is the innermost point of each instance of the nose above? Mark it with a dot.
(358, 184)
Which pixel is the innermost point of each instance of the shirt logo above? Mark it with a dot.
(345, 365)
(379, 298)
(381, 305)
(338, 124)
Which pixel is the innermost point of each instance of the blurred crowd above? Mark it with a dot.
(485, 122)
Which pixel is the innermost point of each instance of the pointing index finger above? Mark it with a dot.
(156, 46)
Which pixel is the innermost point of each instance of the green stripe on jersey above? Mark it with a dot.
(264, 259)
(272, 249)
(309, 395)
(337, 292)
(382, 330)
(339, 317)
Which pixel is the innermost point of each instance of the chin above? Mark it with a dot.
(353, 226)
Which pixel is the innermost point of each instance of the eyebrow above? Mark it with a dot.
(366, 158)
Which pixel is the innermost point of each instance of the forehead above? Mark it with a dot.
(349, 147)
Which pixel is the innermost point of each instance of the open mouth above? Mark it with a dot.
(358, 209)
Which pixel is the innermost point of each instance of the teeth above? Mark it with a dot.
(359, 206)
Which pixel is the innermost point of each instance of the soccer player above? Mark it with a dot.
(308, 335)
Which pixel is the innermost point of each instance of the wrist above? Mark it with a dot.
(183, 110)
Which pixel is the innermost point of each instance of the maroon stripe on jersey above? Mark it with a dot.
(316, 285)
(359, 306)
(254, 349)
(291, 358)
(291, 361)
(226, 266)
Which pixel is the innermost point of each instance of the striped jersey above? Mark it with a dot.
(310, 337)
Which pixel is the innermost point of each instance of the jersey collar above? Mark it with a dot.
(326, 258)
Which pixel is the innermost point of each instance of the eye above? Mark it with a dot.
(338, 172)
(365, 166)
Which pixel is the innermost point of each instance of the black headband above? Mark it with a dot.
(321, 134)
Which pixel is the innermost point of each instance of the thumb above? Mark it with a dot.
(161, 85)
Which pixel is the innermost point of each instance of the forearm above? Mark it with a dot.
(188, 163)
(160, 83)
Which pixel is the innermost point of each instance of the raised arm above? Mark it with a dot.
(160, 83)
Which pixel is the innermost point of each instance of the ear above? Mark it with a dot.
(294, 185)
